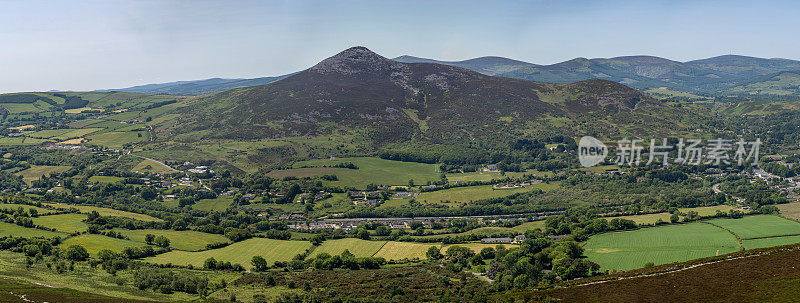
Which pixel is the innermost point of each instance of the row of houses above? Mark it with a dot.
(516, 240)
(516, 184)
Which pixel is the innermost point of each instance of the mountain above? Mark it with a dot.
(361, 93)
(486, 65)
(711, 76)
(198, 87)
(717, 75)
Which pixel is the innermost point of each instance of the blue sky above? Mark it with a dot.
(83, 45)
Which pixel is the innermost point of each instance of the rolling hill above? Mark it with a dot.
(716, 75)
(363, 93)
(712, 75)
(486, 65)
(782, 83)
(197, 87)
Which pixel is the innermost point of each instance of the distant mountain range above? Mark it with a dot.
(386, 101)
(718, 75)
(197, 87)
(711, 76)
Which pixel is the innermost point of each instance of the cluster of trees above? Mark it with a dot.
(323, 261)
(757, 194)
(38, 248)
(536, 261)
(214, 264)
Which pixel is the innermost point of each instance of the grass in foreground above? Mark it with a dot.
(660, 245)
(775, 280)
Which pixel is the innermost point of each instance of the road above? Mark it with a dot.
(715, 188)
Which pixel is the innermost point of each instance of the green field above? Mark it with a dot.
(660, 245)
(64, 133)
(769, 242)
(217, 204)
(360, 248)
(393, 250)
(653, 218)
(374, 170)
(107, 212)
(188, 240)
(9, 229)
(96, 243)
(150, 166)
(759, 226)
(105, 179)
(41, 211)
(117, 139)
(37, 171)
(240, 252)
(790, 210)
(68, 223)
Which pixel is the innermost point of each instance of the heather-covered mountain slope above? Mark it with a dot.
(358, 91)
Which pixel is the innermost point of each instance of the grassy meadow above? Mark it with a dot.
(41, 211)
(653, 218)
(790, 210)
(37, 171)
(393, 250)
(660, 245)
(96, 243)
(216, 204)
(107, 212)
(759, 226)
(10, 229)
(373, 170)
(665, 244)
(187, 240)
(358, 247)
(68, 223)
(240, 252)
(150, 166)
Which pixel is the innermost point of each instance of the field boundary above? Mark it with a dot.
(738, 239)
(677, 269)
(379, 249)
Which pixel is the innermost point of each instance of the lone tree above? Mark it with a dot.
(259, 263)
(317, 239)
(434, 254)
(76, 253)
(162, 241)
(148, 238)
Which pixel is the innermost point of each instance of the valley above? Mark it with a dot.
(438, 172)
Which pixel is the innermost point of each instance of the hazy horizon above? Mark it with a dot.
(92, 45)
